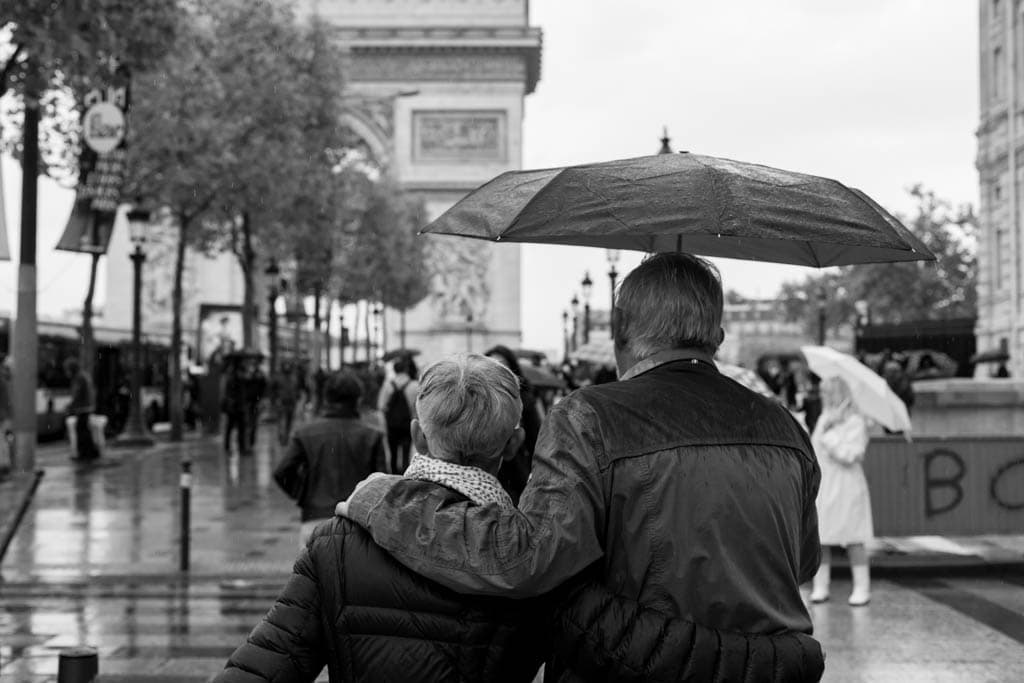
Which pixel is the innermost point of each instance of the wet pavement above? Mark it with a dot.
(95, 562)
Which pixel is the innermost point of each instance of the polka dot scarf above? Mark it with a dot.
(472, 482)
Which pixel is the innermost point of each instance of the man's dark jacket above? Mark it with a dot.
(327, 458)
(694, 495)
(350, 606)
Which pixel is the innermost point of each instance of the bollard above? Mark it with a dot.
(186, 512)
(78, 665)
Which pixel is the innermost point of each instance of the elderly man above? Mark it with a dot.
(682, 490)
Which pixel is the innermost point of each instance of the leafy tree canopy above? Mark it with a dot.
(906, 291)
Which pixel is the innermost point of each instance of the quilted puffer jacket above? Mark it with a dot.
(599, 636)
(350, 606)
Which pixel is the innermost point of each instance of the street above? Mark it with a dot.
(95, 562)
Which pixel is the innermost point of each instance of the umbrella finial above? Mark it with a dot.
(665, 140)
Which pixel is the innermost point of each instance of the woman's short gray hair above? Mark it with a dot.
(670, 301)
(468, 407)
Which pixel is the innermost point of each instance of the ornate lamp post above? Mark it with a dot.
(575, 306)
(565, 335)
(822, 300)
(135, 433)
(378, 339)
(613, 258)
(586, 286)
(273, 274)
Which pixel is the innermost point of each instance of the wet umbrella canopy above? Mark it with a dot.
(686, 202)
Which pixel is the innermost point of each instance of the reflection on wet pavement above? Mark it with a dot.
(95, 563)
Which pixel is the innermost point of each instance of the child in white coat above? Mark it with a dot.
(840, 439)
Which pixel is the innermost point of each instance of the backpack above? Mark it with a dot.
(397, 414)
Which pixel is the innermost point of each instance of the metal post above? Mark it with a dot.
(272, 320)
(186, 513)
(135, 432)
(565, 336)
(612, 275)
(821, 326)
(586, 323)
(78, 665)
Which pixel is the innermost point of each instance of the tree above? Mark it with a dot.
(287, 79)
(903, 291)
(177, 142)
(56, 46)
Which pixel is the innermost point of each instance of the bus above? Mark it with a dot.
(60, 341)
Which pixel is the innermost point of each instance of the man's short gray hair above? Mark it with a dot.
(468, 407)
(670, 301)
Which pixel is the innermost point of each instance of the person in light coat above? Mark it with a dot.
(840, 439)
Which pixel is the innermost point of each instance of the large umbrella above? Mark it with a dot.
(747, 377)
(870, 392)
(686, 202)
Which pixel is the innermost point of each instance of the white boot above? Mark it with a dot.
(861, 594)
(821, 582)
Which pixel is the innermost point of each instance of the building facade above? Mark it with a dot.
(1000, 157)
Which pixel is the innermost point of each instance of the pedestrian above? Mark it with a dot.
(329, 455)
(397, 403)
(680, 488)
(284, 396)
(255, 390)
(234, 404)
(514, 473)
(81, 407)
(840, 440)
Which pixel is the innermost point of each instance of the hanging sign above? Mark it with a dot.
(103, 127)
(101, 169)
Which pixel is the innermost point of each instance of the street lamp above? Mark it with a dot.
(587, 286)
(575, 306)
(135, 433)
(273, 274)
(565, 335)
(378, 340)
(613, 258)
(822, 300)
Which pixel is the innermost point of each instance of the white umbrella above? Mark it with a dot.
(747, 377)
(870, 392)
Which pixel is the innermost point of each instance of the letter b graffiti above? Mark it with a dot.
(933, 481)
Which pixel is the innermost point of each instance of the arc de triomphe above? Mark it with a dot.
(436, 90)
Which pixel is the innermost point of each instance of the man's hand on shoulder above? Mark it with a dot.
(342, 508)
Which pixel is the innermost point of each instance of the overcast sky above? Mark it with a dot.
(878, 94)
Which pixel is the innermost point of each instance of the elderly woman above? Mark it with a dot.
(840, 439)
(350, 606)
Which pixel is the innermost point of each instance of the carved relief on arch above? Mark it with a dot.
(373, 129)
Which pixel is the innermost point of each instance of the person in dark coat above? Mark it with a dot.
(693, 496)
(514, 473)
(284, 396)
(351, 607)
(234, 404)
(82, 406)
(255, 391)
(327, 457)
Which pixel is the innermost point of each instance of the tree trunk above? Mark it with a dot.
(175, 409)
(383, 329)
(88, 358)
(247, 260)
(26, 337)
